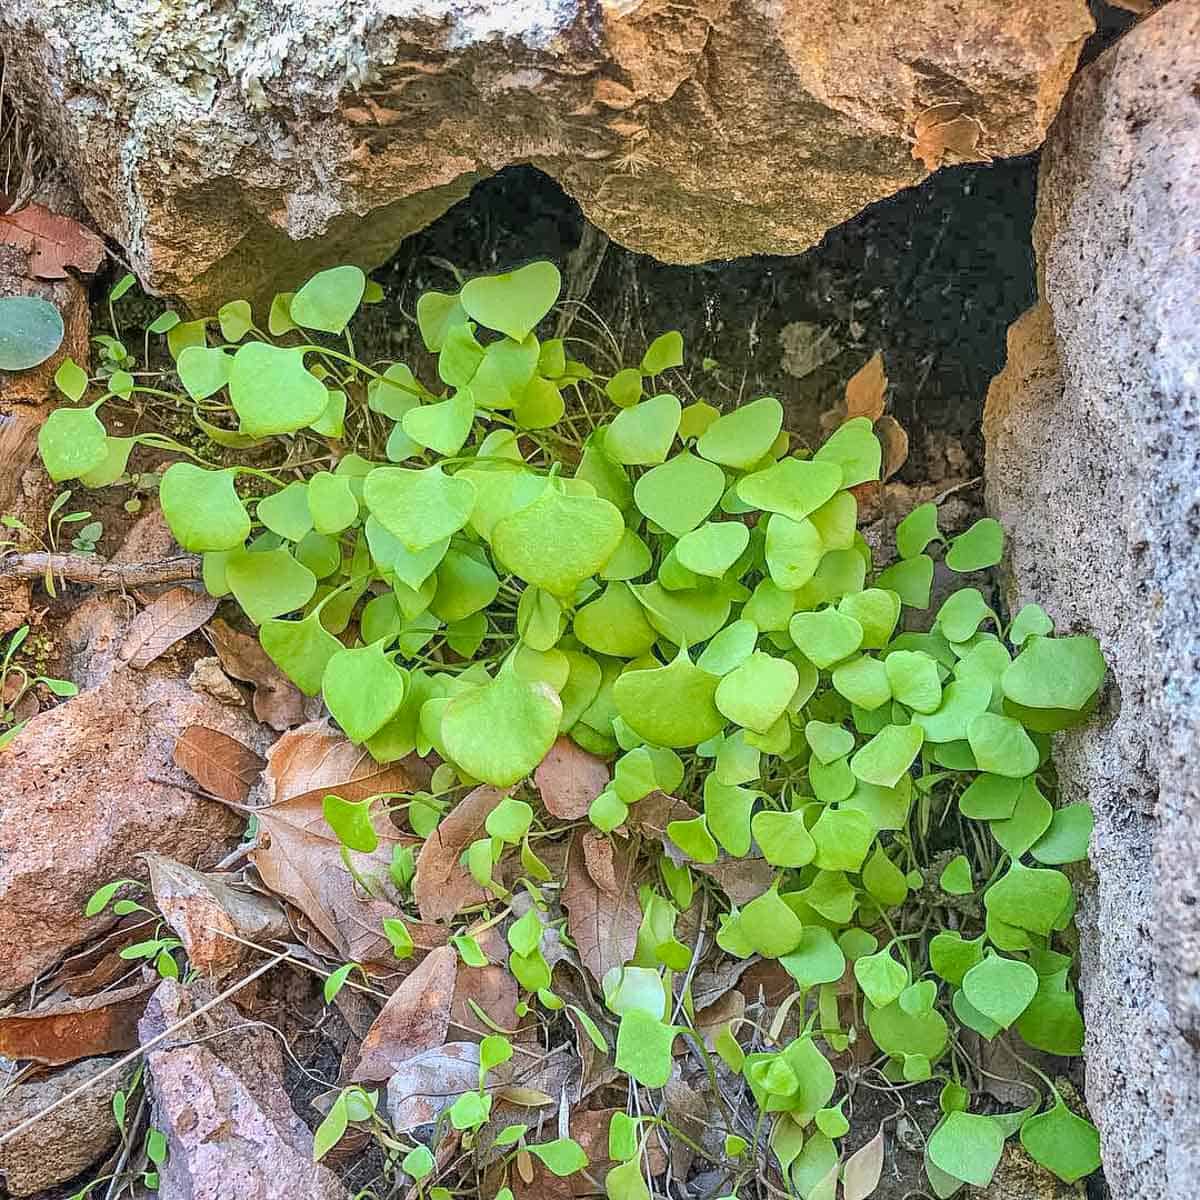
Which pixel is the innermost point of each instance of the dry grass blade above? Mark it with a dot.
(168, 620)
(603, 923)
(218, 763)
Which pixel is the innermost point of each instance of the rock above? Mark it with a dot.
(67, 1141)
(86, 790)
(231, 1129)
(1093, 466)
(217, 143)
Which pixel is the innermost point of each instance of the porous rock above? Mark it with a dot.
(88, 786)
(1093, 462)
(230, 1127)
(216, 142)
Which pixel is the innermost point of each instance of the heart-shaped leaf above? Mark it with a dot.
(300, 649)
(418, 507)
(444, 426)
(854, 450)
(679, 493)
(755, 694)
(329, 299)
(515, 301)
(363, 690)
(268, 583)
(1000, 988)
(72, 442)
(642, 435)
(202, 508)
(670, 706)
(742, 438)
(794, 487)
(203, 370)
(272, 391)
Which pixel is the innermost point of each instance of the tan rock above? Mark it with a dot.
(237, 149)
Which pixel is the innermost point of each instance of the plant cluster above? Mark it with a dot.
(516, 548)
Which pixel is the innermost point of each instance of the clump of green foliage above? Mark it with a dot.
(471, 565)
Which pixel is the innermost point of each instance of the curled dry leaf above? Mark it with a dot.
(602, 923)
(443, 885)
(861, 1174)
(426, 1085)
(415, 1018)
(59, 1033)
(53, 242)
(895, 444)
(206, 914)
(166, 621)
(945, 130)
(865, 389)
(277, 701)
(218, 763)
(569, 779)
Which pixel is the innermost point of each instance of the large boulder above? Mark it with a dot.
(233, 148)
(1093, 463)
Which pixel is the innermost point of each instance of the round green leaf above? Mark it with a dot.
(951, 956)
(72, 442)
(329, 299)
(1029, 898)
(644, 1048)
(203, 370)
(444, 426)
(1052, 1022)
(881, 978)
(500, 731)
(437, 313)
(729, 648)
(981, 546)
(684, 617)
(286, 511)
(827, 741)
(642, 435)
(693, 838)
(756, 694)
(615, 624)
(351, 822)
(559, 540)
(272, 392)
(817, 959)
(670, 706)
(363, 690)
(888, 755)
(268, 583)
(202, 508)
(1001, 746)
(863, 681)
(680, 493)
(418, 507)
(967, 1147)
(31, 330)
(794, 487)
(770, 926)
(1055, 673)
(825, 637)
(854, 450)
(512, 302)
(884, 881)
(331, 502)
(910, 579)
(960, 616)
(783, 838)
(300, 649)
(1066, 1145)
(1067, 838)
(1032, 619)
(1000, 988)
(713, 548)
(236, 320)
(962, 701)
(1030, 818)
(843, 836)
(793, 551)
(743, 437)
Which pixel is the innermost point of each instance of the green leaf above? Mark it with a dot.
(1001, 746)
(794, 487)
(500, 731)
(664, 352)
(470, 1110)
(1000, 988)
(509, 820)
(331, 502)
(418, 1163)
(1031, 817)
(72, 442)
(615, 624)
(437, 313)
(680, 493)
(418, 507)
(1032, 619)
(684, 617)
(363, 690)
(828, 742)
(332, 422)
(267, 583)
(398, 936)
(888, 755)
(625, 1182)
(990, 797)
(881, 977)
(843, 837)
(981, 546)
(272, 392)
(729, 648)
(671, 706)
(444, 426)
(968, 1147)
(1067, 838)
(952, 956)
(559, 540)
(472, 956)
(236, 320)
(329, 299)
(962, 701)
(817, 959)
(71, 379)
(884, 881)
(203, 370)
(756, 694)
(956, 877)
(642, 435)
(164, 322)
(202, 508)
(183, 334)
(917, 530)
(914, 679)
(1066, 1145)
(121, 287)
(31, 330)
(770, 926)
(300, 649)
(855, 450)
(793, 551)
(644, 1048)
(351, 822)
(864, 681)
(624, 389)
(693, 838)
(960, 616)
(1029, 898)
(1055, 673)
(742, 438)
(1052, 1022)
(286, 512)
(911, 580)
(513, 302)
(825, 637)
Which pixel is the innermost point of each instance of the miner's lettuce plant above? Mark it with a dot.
(478, 558)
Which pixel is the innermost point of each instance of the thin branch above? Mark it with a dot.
(83, 568)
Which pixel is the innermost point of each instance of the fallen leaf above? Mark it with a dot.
(63, 1032)
(201, 909)
(689, 1110)
(207, 676)
(53, 242)
(865, 389)
(168, 620)
(944, 129)
(599, 856)
(277, 702)
(443, 885)
(218, 763)
(569, 779)
(895, 444)
(653, 813)
(426, 1085)
(711, 1020)
(862, 1171)
(767, 981)
(741, 879)
(603, 924)
(415, 1018)
(100, 964)
(494, 990)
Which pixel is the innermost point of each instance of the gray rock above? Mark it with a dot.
(68, 1140)
(1093, 460)
(211, 138)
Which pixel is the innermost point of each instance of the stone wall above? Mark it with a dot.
(1093, 446)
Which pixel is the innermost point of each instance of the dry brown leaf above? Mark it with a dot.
(415, 1018)
(602, 923)
(711, 1020)
(52, 241)
(895, 444)
(168, 620)
(218, 763)
(494, 990)
(100, 964)
(865, 389)
(653, 813)
(741, 879)
(863, 1169)
(442, 885)
(569, 779)
(207, 914)
(73, 1029)
(427, 1084)
(944, 129)
(278, 702)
